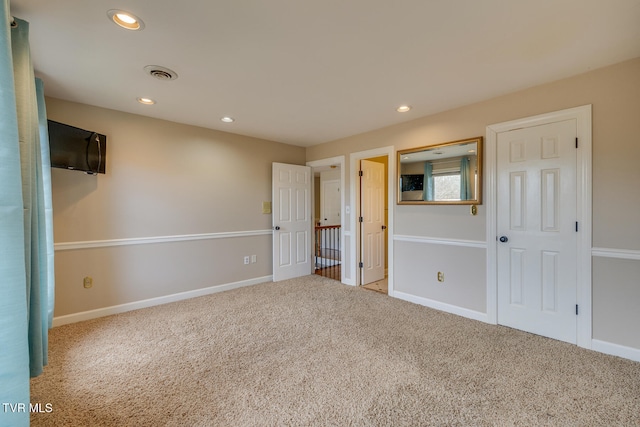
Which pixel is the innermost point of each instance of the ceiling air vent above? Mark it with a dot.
(160, 73)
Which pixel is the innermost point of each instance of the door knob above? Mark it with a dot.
(277, 227)
(384, 227)
(504, 239)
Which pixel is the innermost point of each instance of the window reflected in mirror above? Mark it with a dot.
(449, 173)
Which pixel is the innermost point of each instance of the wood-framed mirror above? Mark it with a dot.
(441, 174)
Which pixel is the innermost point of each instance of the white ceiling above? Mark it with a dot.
(306, 72)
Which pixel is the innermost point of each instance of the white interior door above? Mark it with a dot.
(537, 229)
(330, 202)
(372, 221)
(291, 214)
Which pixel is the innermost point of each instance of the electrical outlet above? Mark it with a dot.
(254, 259)
(246, 260)
(87, 282)
(440, 276)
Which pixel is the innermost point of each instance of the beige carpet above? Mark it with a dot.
(313, 352)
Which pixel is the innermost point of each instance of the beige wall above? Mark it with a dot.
(614, 93)
(163, 179)
(166, 179)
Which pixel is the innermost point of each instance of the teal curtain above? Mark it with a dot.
(26, 235)
(49, 278)
(35, 224)
(466, 186)
(427, 187)
(14, 344)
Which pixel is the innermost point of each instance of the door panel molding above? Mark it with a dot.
(582, 115)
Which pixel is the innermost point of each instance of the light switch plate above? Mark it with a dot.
(266, 207)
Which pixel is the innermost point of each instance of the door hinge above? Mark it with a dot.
(576, 142)
(576, 226)
(360, 173)
(361, 219)
(361, 265)
(576, 309)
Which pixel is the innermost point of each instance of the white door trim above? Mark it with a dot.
(354, 202)
(582, 115)
(338, 160)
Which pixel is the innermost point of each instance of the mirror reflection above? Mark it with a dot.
(449, 173)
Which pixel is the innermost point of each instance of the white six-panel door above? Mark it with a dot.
(372, 213)
(536, 225)
(291, 211)
(330, 202)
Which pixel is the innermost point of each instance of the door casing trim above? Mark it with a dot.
(582, 115)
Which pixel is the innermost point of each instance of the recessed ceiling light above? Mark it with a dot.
(403, 108)
(125, 19)
(146, 101)
(228, 119)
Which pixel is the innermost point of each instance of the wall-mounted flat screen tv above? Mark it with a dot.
(412, 182)
(77, 149)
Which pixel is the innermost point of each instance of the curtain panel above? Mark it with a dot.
(427, 186)
(466, 185)
(26, 223)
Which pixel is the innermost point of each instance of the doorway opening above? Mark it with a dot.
(371, 194)
(374, 213)
(328, 207)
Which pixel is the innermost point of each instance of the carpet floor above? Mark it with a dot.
(313, 352)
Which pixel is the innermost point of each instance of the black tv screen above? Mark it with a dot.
(77, 149)
(412, 182)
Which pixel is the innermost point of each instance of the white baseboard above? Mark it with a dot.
(616, 350)
(122, 308)
(437, 305)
